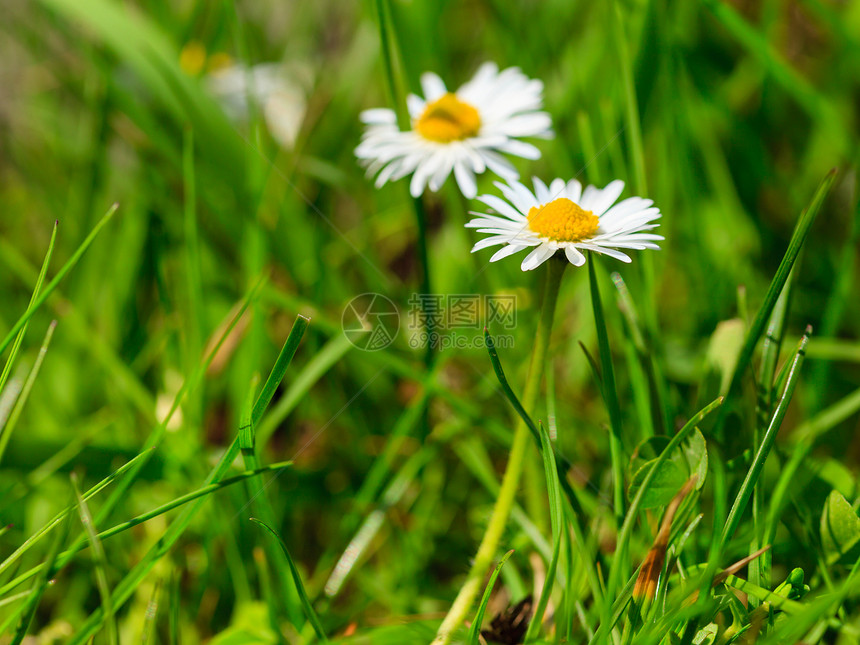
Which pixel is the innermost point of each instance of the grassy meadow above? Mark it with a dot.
(187, 243)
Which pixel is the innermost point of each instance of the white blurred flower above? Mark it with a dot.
(562, 216)
(278, 93)
(462, 131)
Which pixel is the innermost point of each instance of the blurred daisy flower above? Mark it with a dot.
(463, 131)
(562, 216)
(276, 90)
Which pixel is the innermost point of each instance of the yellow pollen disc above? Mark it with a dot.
(448, 119)
(562, 221)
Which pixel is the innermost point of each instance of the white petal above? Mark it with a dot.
(556, 189)
(432, 86)
(499, 165)
(624, 208)
(524, 125)
(518, 195)
(576, 258)
(520, 149)
(603, 199)
(415, 105)
(378, 116)
(505, 251)
(502, 207)
(618, 255)
(465, 180)
(537, 257)
(573, 191)
(541, 190)
(491, 241)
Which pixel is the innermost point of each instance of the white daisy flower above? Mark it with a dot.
(562, 216)
(275, 88)
(463, 131)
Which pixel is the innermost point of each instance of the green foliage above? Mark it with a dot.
(132, 335)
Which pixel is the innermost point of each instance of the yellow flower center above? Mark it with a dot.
(448, 119)
(562, 221)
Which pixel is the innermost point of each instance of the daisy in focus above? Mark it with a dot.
(465, 131)
(562, 216)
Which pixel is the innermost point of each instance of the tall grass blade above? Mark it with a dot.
(99, 562)
(7, 428)
(48, 571)
(126, 587)
(52, 285)
(297, 578)
(807, 217)
(39, 280)
(557, 521)
(767, 442)
(475, 629)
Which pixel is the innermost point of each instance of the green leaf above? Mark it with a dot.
(840, 527)
(689, 458)
(667, 480)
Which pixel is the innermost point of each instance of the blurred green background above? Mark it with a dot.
(743, 108)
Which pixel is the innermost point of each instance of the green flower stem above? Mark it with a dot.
(510, 482)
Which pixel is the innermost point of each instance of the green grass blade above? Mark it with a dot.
(816, 104)
(259, 501)
(475, 629)
(49, 569)
(768, 440)
(306, 603)
(151, 615)
(126, 587)
(190, 383)
(627, 527)
(99, 562)
(369, 528)
(197, 494)
(21, 550)
(322, 362)
(557, 520)
(52, 285)
(7, 428)
(39, 280)
(66, 555)
(279, 369)
(807, 217)
(609, 391)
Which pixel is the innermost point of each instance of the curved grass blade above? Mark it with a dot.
(259, 501)
(768, 440)
(66, 555)
(49, 569)
(475, 630)
(562, 465)
(52, 285)
(7, 428)
(306, 603)
(126, 587)
(807, 217)
(29, 542)
(20, 337)
(556, 519)
(149, 618)
(99, 560)
(635, 505)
